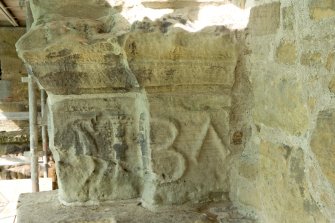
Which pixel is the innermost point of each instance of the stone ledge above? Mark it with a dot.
(186, 3)
(44, 207)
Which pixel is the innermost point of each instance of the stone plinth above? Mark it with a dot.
(45, 207)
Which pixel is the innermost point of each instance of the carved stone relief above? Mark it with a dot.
(189, 149)
(98, 146)
(168, 164)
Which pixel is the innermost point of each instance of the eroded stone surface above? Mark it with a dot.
(185, 3)
(288, 18)
(126, 211)
(286, 53)
(178, 57)
(189, 116)
(222, 119)
(286, 102)
(265, 19)
(311, 58)
(185, 94)
(92, 9)
(282, 169)
(280, 97)
(322, 143)
(100, 137)
(194, 142)
(332, 85)
(321, 9)
(330, 61)
(74, 50)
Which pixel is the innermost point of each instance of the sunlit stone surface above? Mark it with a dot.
(183, 102)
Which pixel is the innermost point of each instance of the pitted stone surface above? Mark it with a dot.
(219, 113)
(323, 144)
(126, 211)
(182, 94)
(100, 138)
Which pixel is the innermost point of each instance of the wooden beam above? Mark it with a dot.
(24, 79)
(18, 160)
(7, 14)
(33, 129)
(44, 134)
(18, 116)
(12, 161)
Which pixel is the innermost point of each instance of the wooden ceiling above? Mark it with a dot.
(12, 10)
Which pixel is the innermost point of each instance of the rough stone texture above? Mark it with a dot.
(287, 99)
(189, 116)
(209, 113)
(185, 3)
(321, 9)
(330, 61)
(177, 57)
(311, 58)
(286, 53)
(189, 136)
(85, 49)
(282, 169)
(332, 85)
(189, 148)
(322, 143)
(265, 19)
(119, 212)
(279, 168)
(288, 18)
(101, 137)
(280, 98)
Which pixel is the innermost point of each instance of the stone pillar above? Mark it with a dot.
(110, 83)
(98, 117)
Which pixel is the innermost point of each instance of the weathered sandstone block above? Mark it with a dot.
(189, 93)
(99, 146)
(110, 85)
(265, 19)
(311, 58)
(186, 3)
(125, 211)
(321, 9)
(92, 9)
(288, 18)
(323, 143)
(330, 61)
(282, 169)
(190, 147)
(332, 85)
(286, 53)
(76, 58)
(280, 102)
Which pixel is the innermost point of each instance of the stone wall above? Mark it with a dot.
(287, 168)
(172, 113)
(13, 93)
